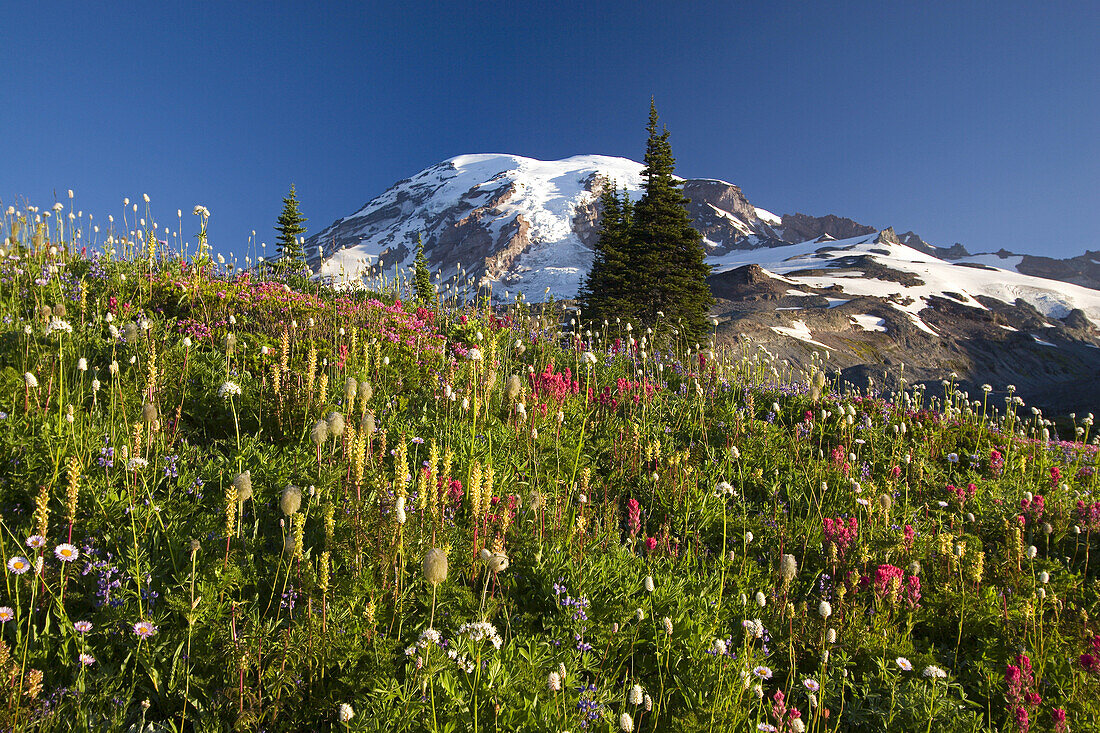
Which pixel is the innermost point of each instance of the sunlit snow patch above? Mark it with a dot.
(870, 323)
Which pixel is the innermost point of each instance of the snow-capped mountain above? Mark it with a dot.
(524, 224)
(793, 284)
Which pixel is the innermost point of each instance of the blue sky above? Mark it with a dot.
(974, 122)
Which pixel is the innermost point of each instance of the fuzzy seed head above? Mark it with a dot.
(513, 388)
(290, 501)
(435, 566)
(242, 483)
(335, 425)
(319, 434)
(788, 567)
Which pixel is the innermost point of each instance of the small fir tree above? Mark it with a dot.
(422, 277)
(292, 258)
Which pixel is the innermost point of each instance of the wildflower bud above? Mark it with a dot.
(345, 712)
(970, 517)
(639, 614)
(626, 723)
(614, 628)
(553, 682)
(399, 511)
(885, 501)
(82, 364)
(187, 342)
(735, 453)
(242, 484)
(760, 599)
(1047, 529)
(648, 703)
(824, 609)
(290, 501)
(914, 568)
(1042, 593)
(649, 586)
(1044, 577)
(667, 622)
(1032, 551)
(149, 413)
(30, 380)
(435, 566)
(195, 546)
(830, 636)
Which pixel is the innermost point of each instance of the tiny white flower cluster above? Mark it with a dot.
(229, 389)
(480, 630)
(58, 324)
(427, 638)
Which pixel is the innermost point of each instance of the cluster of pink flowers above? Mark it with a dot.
(553, 386)
(1021, 695)
(910, 535)
(961, 494)
(1033, 509)
(1088, 514)
(840, 533)
(785, 716)
(1090, 660)
(635, 389)
(892, 585)
(634, 514)
(996, 462)
(839, 457)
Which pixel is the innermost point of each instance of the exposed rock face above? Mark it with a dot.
(750, 282)
(1083, 270)
(802, 227)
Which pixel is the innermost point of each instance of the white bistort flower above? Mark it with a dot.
(229, 389)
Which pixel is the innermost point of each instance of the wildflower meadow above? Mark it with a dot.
(231, 501)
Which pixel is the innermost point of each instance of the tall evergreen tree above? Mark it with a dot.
(665, 253)
(422, 277)
(292, 258)
(606, 291)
